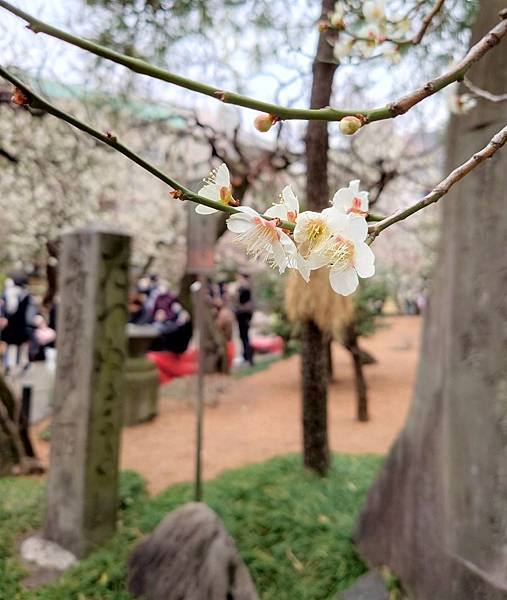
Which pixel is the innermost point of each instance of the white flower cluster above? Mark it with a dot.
(361, 37)
(334, 238)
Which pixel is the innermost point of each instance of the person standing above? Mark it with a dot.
(244, 312)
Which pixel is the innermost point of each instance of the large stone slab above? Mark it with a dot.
(189, 556)
(85, 436)
(368, 587)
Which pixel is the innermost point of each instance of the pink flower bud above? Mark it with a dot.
(264, 122)
(18, 97)
(349, 125)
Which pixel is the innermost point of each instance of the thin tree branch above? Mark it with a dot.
(426, 22)
(483, 93)
(443, 187)
(182, 193)
(398, 107)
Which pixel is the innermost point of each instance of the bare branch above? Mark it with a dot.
(443, 187)
(426, 22)
(34, 100)
(398, 107)
(483, 93)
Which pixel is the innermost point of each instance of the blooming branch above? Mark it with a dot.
(391, 110)
(34, 100)
(426, 22)
(443, 187)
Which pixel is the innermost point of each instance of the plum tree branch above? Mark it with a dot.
(497, 141)
(391, 110)
(427, 21)
(36, 101)
(484, 93)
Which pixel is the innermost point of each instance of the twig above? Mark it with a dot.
(426, 22)
(483, 93)
(443, 187)
(398, 107)
(183, 193)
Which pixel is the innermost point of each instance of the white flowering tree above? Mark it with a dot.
(336, 231)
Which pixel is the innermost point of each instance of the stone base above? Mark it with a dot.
(368, 587)
(141, 391)
(44, 560)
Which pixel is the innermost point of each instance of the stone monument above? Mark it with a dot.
(83, 477)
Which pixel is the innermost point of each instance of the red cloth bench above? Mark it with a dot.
(171, 365)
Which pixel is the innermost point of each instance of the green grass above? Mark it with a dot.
(292, 529)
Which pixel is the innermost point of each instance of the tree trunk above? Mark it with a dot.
(351, 344)
(437, 513)
(313, 341)
(330, 365)
(11, 452)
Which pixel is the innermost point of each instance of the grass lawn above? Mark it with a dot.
(292, 529)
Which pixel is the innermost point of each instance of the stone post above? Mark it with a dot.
(85, 439)
(140, 402)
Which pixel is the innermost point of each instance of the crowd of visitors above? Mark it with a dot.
(28, 328)
(152, 303)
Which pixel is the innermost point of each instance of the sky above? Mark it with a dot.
(44, 56)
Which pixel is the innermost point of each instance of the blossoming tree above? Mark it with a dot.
(334, 233)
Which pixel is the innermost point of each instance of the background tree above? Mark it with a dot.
(436, 514)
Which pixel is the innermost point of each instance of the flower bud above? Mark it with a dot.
(322, 26)
(349, 125)
(264, 122)
(18, 97)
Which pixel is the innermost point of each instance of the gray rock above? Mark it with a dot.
(189, 556)
(368, 587)
(46, 554)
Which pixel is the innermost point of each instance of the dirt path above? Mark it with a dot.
(258, 417)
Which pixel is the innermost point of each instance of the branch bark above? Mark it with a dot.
(108, 138)
(398, 107)
(444, 186)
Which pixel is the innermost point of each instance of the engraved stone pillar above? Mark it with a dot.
(85, 438)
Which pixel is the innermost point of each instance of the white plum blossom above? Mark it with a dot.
(374, 10)
(337, 16)
(313, 230)
(350, 200)
(460, 105)
(287, 209)
(392, 55)
(343, 48)
(371, 35)
(218, 188)
(346, 254)
(304, 241)
(262, 237)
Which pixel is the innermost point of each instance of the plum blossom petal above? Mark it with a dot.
(364, 260)
(343, 282)
(261, 237)
(355, 228)
(351, 200)
(287, 209)
(201, 209)
(217, 188)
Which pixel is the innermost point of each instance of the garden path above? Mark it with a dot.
(257, 417)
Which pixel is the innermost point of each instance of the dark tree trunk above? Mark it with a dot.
(314, 363)
(330, 366)
(52, 247)
(11, 446)
(351, 344)
(314, 380)
(437, 513)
